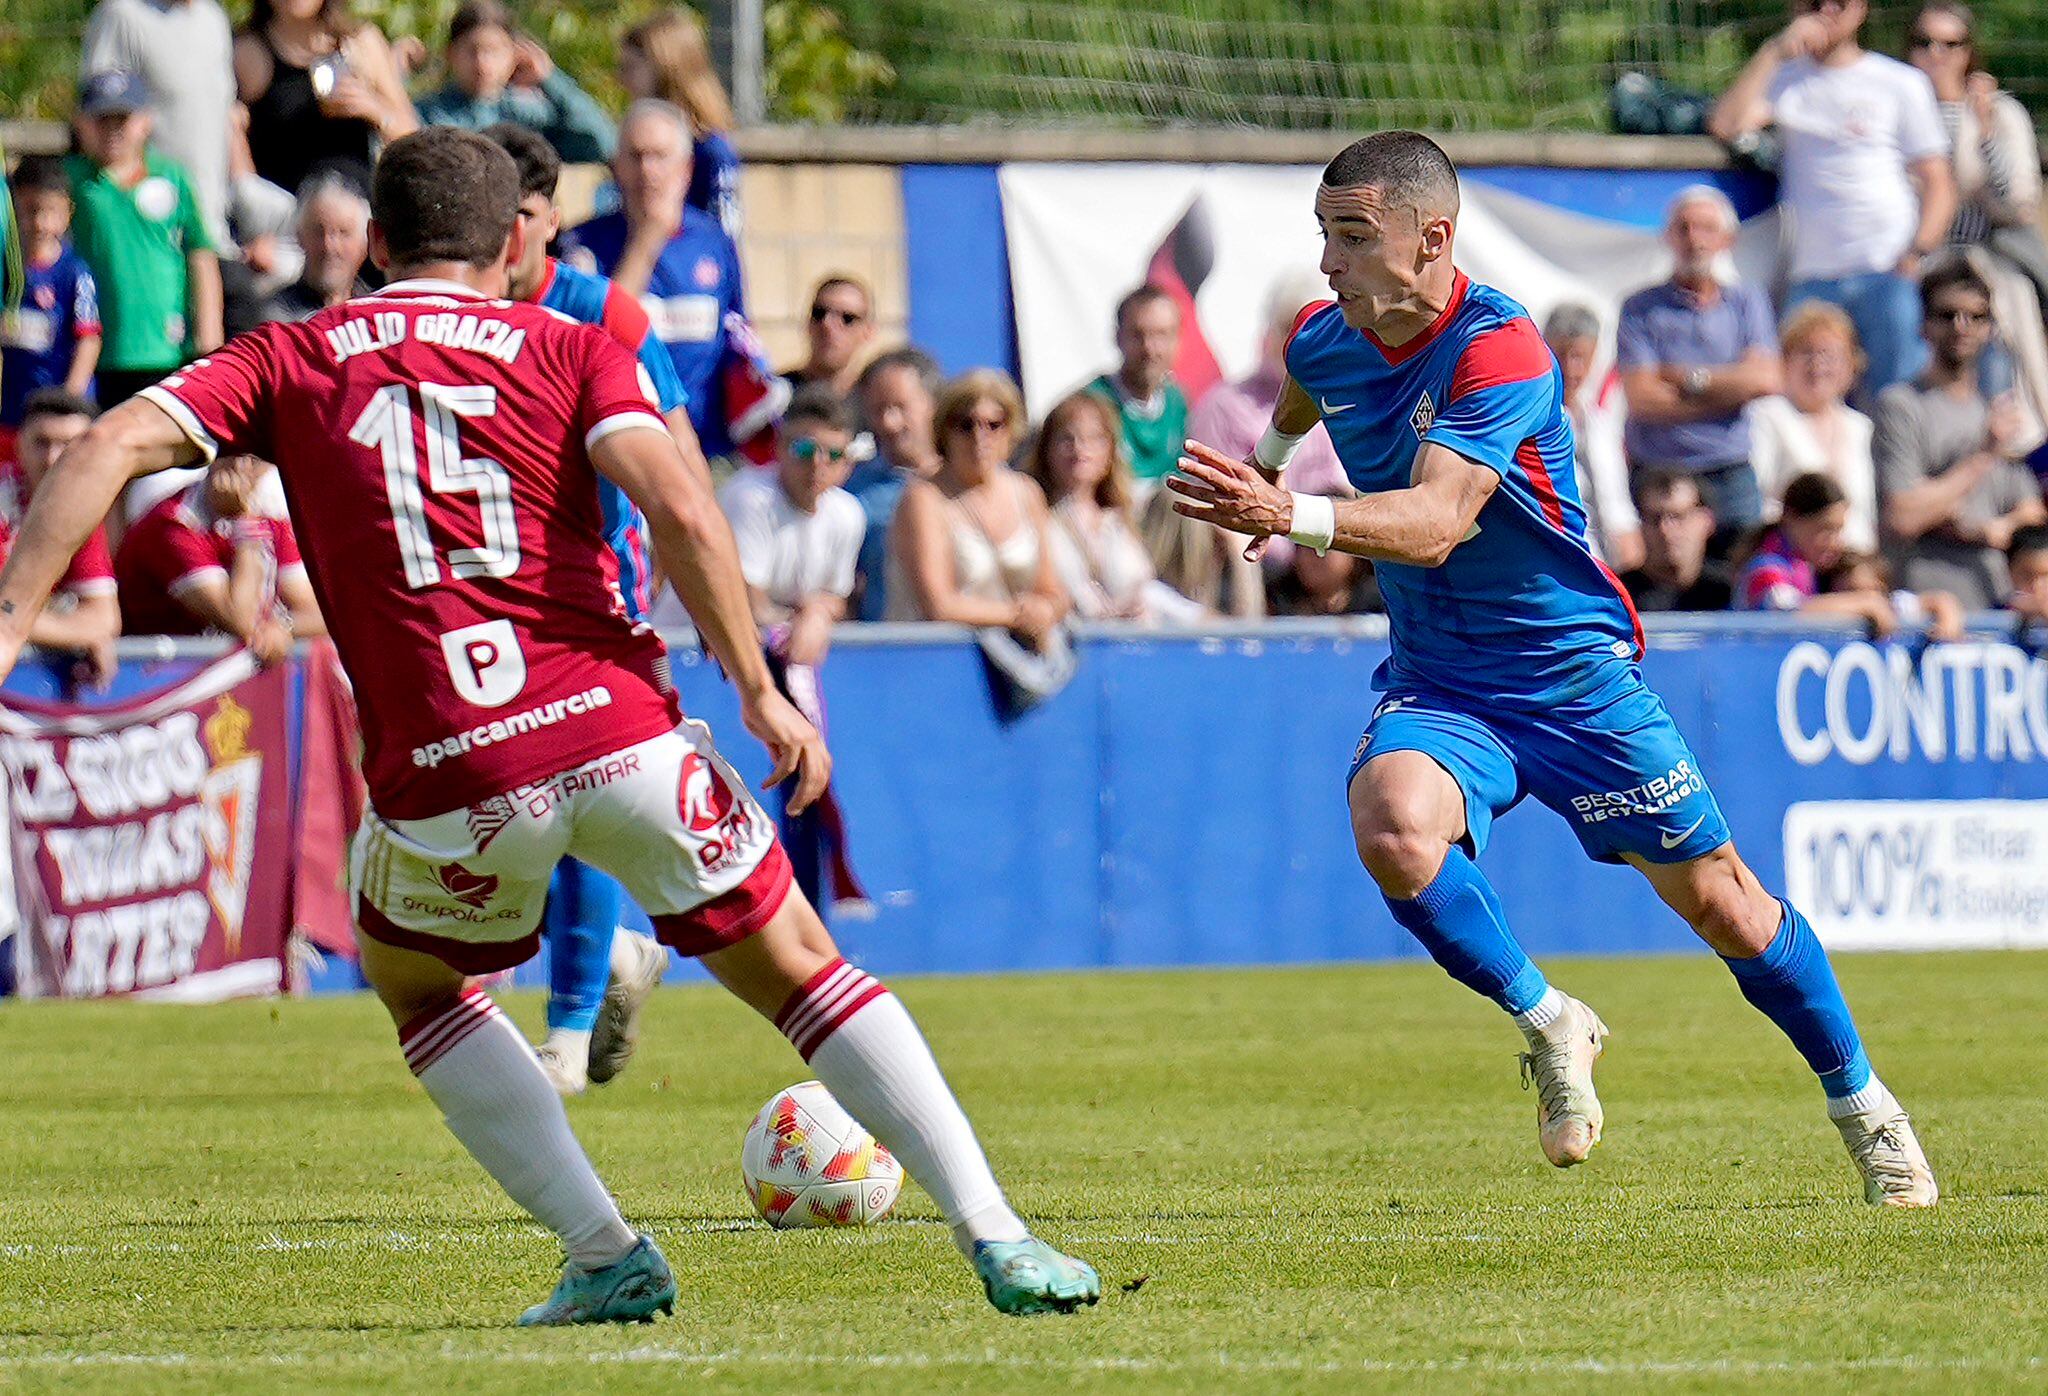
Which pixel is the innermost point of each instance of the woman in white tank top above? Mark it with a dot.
(970, 545)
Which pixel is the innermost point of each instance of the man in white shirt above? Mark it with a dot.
(799, 533)
(1866, 175)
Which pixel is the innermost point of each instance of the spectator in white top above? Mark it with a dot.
(799, 533)
(1573, 333)
(184, 50)
(1812, 429)
(1865, 178)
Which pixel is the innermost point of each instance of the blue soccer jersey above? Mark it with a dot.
(1523, 613)
(593, 300)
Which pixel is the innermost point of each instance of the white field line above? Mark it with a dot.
(1220, 1363)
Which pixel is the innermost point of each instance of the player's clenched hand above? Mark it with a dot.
(1212, 487)
(795, 744)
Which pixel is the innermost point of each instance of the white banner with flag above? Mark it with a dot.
(1081, 235)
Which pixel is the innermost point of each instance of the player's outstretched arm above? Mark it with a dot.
(1418, 525)
(134, 439)
(693, 544)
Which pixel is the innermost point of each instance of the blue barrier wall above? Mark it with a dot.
(1181, 801)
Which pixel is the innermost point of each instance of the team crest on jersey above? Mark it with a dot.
(1423, 415)
(706, 273)
(718, 820)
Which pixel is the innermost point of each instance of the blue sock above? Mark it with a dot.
(1462, 925)
(584, 906)
(1793, 985)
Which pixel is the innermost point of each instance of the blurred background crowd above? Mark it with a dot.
(1862, 436)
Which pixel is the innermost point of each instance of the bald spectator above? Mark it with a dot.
(1865, 178)
(334, 235)
(1693, 353)
(1149, 403)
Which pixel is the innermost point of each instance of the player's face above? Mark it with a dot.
(1078, 448)
(43, 439)
(899, 413)
(1373, 253)
(482, 60)
(1149, 340)
(537, 214)
(812, 458)
(335, 235)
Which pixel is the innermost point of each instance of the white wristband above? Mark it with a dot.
(1275, 449)
(1315, 521)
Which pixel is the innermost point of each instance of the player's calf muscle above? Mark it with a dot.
(763, 970)
(1721, 899)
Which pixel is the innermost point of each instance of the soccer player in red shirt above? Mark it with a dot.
(206, 559)
(437, 445)
(90, 621)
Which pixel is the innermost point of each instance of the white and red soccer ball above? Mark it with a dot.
(808, 1163)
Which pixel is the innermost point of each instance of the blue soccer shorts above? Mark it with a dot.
(1617, 770)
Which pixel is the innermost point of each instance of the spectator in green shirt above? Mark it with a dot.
(498, 74)
(139, 227)
(1151, 406)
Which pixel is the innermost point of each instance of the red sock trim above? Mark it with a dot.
(434, 1033)
(825, 1004)
(810, 986)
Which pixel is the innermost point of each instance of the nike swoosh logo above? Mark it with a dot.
(1670, 842)
(1331, 409)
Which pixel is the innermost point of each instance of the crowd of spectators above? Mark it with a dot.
(1855, 444)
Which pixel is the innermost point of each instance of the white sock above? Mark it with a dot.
(870, 1055)
(573, 1043)
(1871, 1097)
(1541, 1014)
(497, 1101)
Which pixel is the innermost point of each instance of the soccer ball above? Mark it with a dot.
(807, 1162)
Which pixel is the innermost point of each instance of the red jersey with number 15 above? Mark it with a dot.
(434, 449)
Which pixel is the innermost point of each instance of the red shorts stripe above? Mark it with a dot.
(464, 956)
(817, 1038)
(730, 917)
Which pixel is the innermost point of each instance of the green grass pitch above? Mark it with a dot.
(1291, 1180)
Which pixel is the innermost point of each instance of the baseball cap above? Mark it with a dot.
(112, 91)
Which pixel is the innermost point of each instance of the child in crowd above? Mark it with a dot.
(1870, 576)
(139, 227)
(53, 340)
(2027, 559)
(495, 74)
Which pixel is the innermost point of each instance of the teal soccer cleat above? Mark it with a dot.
(630, 1289)
(1030, 1277)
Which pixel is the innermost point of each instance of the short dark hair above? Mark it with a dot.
(1652, 483)
(1953, 275)
(906, 356)
(56, 402)
(479, 14)
(818, 403)
(2031, 539)
(1408, 166)
(445, 195)
(1810, 494)
(1137, 300)
(540, 167)
(39, 174)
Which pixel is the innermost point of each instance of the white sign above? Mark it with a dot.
(1920, 874)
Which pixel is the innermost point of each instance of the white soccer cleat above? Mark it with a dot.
(566, 1074)
(1888, 1155)
(638, 963)
(1559, 1063)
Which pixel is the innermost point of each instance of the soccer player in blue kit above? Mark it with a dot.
(599, 973)
(1515, 666)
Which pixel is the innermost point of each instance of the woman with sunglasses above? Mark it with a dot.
(970, 545)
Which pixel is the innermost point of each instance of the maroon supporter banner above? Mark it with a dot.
(151, 841)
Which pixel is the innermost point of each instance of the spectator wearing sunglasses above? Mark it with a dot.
(1865, 178)
(799, 532)
(1953, 494)
(841, 325)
